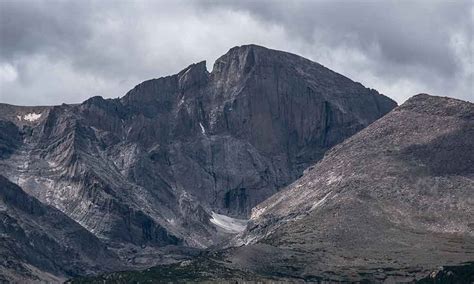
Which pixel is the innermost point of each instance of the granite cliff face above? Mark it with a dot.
(161, 165)
(393, 202)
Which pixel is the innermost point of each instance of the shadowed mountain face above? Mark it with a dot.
(38, 242)
(10, 138)
(394, 201)
(151, 167)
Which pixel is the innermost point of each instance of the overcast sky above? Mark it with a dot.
(66, 51)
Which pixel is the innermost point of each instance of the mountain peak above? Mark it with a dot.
(440, 106)
(249, 47)
(257, 49)
(236, 60)
(244, 57)
(194, 74)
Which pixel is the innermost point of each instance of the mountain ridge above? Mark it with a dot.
(152, 168)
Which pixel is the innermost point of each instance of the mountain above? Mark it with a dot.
(391, 204)
(181, 160)
(394, 201)
(38, 242)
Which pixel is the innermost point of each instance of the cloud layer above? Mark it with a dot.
(66, 51)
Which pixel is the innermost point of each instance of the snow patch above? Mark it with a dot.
(228, 223)
(181, 102)
(203, 130)
(32, 116)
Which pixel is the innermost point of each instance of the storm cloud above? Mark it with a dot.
(66, 51)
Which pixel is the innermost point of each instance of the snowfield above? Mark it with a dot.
(30, 117)
(203, 130)
(227, 223)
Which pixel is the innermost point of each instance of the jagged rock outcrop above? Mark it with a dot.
(38, 242)
(392, 202)
(148, 169)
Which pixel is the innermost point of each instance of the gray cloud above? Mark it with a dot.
(66, 51)
(406, 32)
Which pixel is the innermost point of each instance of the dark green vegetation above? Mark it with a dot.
(451, 275)
(201, 269)
(206, 270)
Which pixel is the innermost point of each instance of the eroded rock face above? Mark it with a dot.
(395, 196)
(38, 242)
(250, 126)
(149, 169)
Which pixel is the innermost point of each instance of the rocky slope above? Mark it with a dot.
(392, 204)
(38, 242)
(155, 167)
(394, 201)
